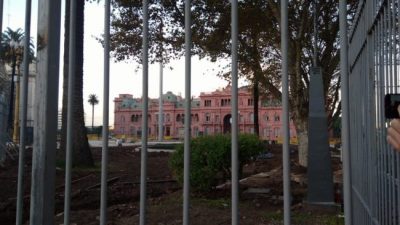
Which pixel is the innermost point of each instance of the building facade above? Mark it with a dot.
(211, 114)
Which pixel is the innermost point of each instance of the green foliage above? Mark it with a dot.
(12, 46)
(211, 158)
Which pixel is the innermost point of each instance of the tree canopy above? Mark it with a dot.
(259, 44)
(12, 46)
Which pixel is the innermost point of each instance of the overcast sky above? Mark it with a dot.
(124, 78)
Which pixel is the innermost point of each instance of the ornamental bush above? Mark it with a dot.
(211, 159)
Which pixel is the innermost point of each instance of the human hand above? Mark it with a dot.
(393, 133)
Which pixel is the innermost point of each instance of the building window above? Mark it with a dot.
(178, 118)
(168, 117)
(208, 117)
(122, 130)
(250, 102)
(132, 130)
(277, 118)
(266, 117)
(122, 118)
(251, 117)
(225, 102)
(276, 132)
(217, 118)
(207, 103)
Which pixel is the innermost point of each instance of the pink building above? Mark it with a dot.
(211, 114)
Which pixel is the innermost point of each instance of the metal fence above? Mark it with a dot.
(370, 67)
(373, 71)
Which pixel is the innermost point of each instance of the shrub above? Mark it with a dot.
(211, 159)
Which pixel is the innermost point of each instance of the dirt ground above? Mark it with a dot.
(260, 198)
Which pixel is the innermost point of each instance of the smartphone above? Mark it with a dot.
(392, 101)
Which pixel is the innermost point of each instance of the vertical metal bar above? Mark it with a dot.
(396, 24)
(143, 182)
(106, 96)
(390, 44)
(285, 116)
(160, 103)
(379, 136)
(45, 117)
(23, 112)
(235, 151)
(315, 55)
(397, 44)
(1, 17)
(397, 29)
(381, 119)
(345, 112)
(186, 170)
(70, 124)
(385, 90)
(391, 75)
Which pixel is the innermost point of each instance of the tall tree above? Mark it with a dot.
(259, 46)
(81, 150)
(93, 100)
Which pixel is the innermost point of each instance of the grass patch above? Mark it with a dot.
(305, 218)
(60, 164)
(213, 203)
(274, 216)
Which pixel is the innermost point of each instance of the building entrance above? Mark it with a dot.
(227, 123)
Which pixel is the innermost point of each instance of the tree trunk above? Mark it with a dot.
(302, 137)
(82, 155)
(256, 96)
(92, 116)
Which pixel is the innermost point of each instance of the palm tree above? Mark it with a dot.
(12, 53)
(93, 100)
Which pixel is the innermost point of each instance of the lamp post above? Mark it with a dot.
(16, 112)
(14, 45)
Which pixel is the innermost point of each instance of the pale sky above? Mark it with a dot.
(124, 79)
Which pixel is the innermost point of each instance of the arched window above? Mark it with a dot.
(251, 116)
(122, 119)
(168, 117)
(178, 118)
